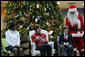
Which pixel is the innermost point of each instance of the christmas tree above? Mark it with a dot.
(28, 13)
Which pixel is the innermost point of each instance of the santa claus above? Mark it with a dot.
(76, 27)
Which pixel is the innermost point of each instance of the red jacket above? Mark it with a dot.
(76, 26)
(38, 43)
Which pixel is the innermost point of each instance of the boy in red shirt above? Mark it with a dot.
(41, 42)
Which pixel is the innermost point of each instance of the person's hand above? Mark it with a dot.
(77, 53)
(66, 44)
(43, 40)
(16, 46)
(37, 38)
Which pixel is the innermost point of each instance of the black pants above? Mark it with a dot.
(10, 48)
(44, 49)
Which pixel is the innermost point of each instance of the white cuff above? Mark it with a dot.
(75, 49)
(82, 50)
(83, 32)
(78, 34)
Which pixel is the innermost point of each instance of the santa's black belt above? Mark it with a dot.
(75, 29)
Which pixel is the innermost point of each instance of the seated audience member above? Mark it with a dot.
(66, 41)
(13, 40)
(41, 41)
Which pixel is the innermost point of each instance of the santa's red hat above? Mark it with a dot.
(72, 8)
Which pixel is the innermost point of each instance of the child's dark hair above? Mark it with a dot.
(11, 25)
(37, 26)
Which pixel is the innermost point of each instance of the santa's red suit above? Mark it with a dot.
(76, 28)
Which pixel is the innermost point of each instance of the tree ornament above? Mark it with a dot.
(48, 23)
(25, 13)
(29, 13)
(38, 17)
(45, 9)
(53, 21)
(16, 16)
(27, 16)
(30, 9)
(5, 11)
(22, 18)
(47, 14)
(20, 13)
(14, 13)
(4, 23)
(23, 2)
(21, 26)
(27, 28)
(8, 12)
(57, 21)
(49, 8)
(51, 37)
(50, 32)
(4, 27)
(60, 27)
(36, 20)
(10, 4)
(37, 5)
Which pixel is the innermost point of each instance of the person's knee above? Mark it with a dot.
(15, 49)
(61, 46)
(20, 49)
(49, 46)
(70, 46)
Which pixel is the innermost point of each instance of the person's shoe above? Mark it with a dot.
(75, 53)
(81, 53)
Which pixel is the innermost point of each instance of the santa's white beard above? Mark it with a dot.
(73, 19)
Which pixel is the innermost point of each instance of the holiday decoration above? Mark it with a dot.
(48, 23)
(24, 13)
(20, 13)
(47, 14)
(36, 20)
(14, 13)
(28, 13)
(4, 23)
(37, 6)
(23, 18)
(4, 27)
(16, 16)
(24, 2)
(27, 28)
(50, 32)
(20, 26)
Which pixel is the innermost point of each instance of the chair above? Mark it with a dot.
(3, 47)
(33, 45)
